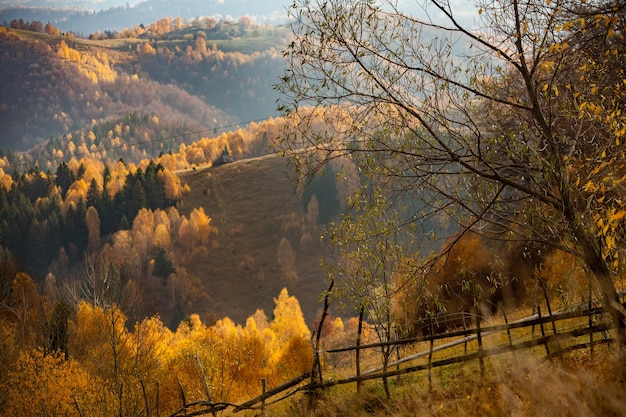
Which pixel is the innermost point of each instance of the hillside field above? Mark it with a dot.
(251, 203)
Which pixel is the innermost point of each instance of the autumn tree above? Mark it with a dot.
(292, 352)
(371, 264)
(102, 343)
(201, 226)
(50, 384)
(512, 127)
(92, 220)
(51, 30)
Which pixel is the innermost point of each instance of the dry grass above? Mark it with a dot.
(250, 202)
(576, 385)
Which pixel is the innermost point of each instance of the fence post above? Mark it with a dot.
(480, 343)
(464, 328)
(430, 365)
(359, 383)
(543, 332)
(316, 369)
(508, 330)
(398, 356)
(545, 295)
(590, 323)
(263, 389)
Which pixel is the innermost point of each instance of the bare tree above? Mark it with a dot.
(511, 126)
(370, 258)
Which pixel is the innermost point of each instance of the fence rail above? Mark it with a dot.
(594, 324)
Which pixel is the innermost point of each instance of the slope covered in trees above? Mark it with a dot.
(60, 357)
(63, 85)
(174, 235)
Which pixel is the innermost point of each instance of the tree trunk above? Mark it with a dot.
(592, 252)
(612, 304)
(613, 307)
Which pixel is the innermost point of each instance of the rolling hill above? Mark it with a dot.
(254, 206)
(55, 88)
(131, 99)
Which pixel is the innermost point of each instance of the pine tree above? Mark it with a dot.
(64, 178)
(163, 265)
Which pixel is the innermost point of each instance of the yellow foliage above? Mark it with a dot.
(100, 341)
(52, 382)
(5, 180)
(171, 183)
(106, 355)
(294, 358)
(288, 319)
(201, 226)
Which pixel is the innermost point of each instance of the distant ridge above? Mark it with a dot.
(80, 17)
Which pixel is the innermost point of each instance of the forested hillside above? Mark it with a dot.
(190, 206)
(63, 85)
(105, 154)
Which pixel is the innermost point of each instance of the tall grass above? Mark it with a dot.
(578, 384)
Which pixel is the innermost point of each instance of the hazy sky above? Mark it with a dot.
(461, 7)
(261, 10)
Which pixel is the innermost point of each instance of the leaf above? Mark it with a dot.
(618, 216)
(599, 167)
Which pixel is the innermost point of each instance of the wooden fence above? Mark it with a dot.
(559, 333)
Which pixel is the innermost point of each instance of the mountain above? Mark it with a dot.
(193, 78)
(138, 112)
(87, 17)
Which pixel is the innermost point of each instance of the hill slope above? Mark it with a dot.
(255, 208)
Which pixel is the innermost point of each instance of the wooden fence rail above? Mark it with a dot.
(533, 320)
(595, 324)
(499, 350)
(469, 335)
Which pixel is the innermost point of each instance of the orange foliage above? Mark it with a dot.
(93, 227)
(201, 225)
(51, 382)
(109, 361)
(171, 184)
(5, 180)
(76, 192)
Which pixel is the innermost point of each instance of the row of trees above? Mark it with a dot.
(163, 28)
(136, 136)
(34, 26)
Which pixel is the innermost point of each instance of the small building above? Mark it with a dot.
(224, 158)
